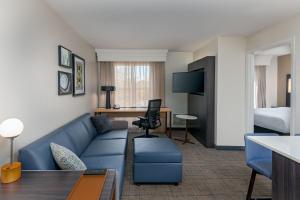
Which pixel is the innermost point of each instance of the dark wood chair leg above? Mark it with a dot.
(251, 185)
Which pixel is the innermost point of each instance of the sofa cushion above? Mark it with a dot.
(156, 150)
(79, 136)
(102, 123)
(114, 134)
(116, 162)
(38, 156)
(65, 158)
(87, 122)
(105, 147)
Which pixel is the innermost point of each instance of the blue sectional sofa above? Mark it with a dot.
(97, 151)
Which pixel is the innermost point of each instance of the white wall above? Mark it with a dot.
(209, 49)
(271, 83)
(176, 62)
(30, 33)
(263, 60)
(289, 29)
(230, 88)
(231, 91)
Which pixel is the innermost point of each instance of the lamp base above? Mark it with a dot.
(10, 172)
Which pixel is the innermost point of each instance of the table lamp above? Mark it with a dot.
(108, 90)
(11, 128)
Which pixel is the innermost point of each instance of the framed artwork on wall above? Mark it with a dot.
(64, 83)
(64, 57)
(78, 75)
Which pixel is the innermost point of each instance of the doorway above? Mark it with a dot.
(270, 88)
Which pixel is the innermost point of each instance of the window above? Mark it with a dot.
(135, 82)
(133, 85)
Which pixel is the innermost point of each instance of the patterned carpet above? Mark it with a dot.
(208, 174)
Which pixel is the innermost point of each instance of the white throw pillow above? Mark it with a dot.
(65, 158)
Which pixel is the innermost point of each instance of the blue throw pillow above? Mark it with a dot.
(102, 123)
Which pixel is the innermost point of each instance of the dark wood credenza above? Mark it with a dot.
(51, 185)
(203, 105)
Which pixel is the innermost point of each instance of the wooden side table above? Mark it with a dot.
(50, 185)
(186, 118)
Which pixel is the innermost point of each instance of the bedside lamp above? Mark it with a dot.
(11, 128)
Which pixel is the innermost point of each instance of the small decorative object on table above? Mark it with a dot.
(11, 128)
(64, 83)
(64, 57)
(78, 75)
(186, 118)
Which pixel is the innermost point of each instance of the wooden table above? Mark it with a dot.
(134, 112)
(285, 165)
(51, 185)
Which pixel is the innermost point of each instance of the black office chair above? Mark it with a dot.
(151, 119)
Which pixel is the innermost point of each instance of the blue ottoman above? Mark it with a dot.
(156, 160)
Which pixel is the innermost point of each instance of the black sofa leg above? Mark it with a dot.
(251, 185)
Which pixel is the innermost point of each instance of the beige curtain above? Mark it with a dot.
(260, 86)
(157, 79)
(136, 82)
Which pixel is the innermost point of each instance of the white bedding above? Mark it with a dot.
(277, 119)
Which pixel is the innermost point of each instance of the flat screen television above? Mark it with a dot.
(189, 82)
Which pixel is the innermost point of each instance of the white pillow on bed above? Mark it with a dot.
(65, 158)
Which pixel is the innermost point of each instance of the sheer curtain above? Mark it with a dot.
(260, 87)
(136, 82)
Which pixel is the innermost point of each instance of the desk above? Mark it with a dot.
(134, 112)
(285, 165)
(49, 185)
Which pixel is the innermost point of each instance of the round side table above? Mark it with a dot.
(186, 118)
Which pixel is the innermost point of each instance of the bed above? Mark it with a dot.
(272, 119)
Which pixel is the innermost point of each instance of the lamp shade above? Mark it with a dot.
(108, 88)
(11, 128)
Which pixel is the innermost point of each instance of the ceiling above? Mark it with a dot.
(177, 25)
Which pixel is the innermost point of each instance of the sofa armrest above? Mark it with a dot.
(119, 124)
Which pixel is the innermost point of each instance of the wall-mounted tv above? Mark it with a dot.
(189, 82)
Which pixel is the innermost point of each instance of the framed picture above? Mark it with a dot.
(64, 57)
(64, 83)
(78, 75)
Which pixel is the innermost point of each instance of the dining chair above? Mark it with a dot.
(259, 159)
